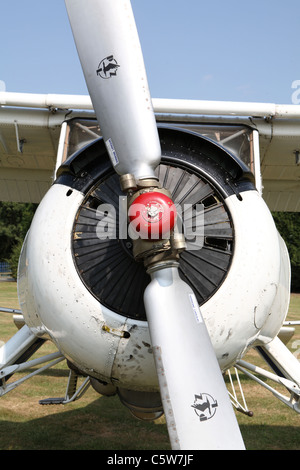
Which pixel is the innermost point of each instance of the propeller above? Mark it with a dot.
(198, 411)
(110, 54)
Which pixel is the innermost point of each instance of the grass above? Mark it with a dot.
(99, 423)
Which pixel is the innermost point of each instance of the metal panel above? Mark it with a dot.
(279, 132)
(26, 175)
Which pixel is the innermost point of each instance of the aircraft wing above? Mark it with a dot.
(30, 137)
(28, 149)
(279, 144)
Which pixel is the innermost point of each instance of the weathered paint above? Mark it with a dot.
(108, 346)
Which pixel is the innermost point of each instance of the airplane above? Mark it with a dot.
(153, 262)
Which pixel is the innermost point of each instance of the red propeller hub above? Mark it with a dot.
(152, 215)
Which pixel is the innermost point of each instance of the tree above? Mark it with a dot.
(288, 225)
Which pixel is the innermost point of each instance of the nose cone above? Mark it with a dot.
(153, 215)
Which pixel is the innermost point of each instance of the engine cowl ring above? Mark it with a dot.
(107, 266)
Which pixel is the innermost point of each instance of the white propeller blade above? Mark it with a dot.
(197, 406)
(109, 50)
(196, 403)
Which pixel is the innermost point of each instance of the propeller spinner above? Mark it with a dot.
(195, 399)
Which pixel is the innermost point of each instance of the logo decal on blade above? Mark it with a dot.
(205, 406)
(108, 67)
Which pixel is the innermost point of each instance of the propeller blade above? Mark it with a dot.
(196, 403)
(110, 53)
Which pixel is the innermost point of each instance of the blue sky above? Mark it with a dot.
(193, 49)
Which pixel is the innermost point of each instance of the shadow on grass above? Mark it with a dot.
(105, 424)
(268, 437)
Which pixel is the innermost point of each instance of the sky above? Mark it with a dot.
(229, 50)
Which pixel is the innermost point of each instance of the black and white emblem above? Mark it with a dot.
(205, 406)
(108, 67)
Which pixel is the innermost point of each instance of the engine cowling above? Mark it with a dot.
(80, 285)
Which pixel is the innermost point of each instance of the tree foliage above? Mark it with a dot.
(15, 219)
(288, 225)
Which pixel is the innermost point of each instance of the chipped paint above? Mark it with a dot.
(114, 331)
(263, 308)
